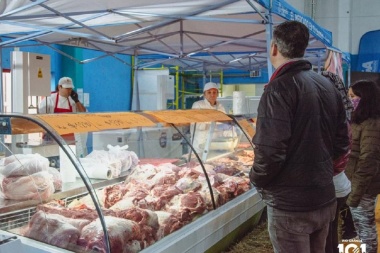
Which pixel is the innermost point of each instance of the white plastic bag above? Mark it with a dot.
(24, 164)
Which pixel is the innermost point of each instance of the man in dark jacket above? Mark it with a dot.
(301, 129)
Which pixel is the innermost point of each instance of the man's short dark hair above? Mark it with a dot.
(291, 38)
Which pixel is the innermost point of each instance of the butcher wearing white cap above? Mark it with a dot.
(66, 82)
(64, 100)
(210, 95)
(200, 132)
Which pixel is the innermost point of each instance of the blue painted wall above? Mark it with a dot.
(108, 81)
(242, 77)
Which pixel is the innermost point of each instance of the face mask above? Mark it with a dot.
(355, 102)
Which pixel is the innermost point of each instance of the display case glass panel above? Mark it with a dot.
(117, 182)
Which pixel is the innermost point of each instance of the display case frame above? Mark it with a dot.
(175, 119)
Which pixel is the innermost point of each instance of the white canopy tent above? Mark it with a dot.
(193, 34)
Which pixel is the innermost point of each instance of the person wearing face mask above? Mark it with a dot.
(363, 168)
(354, 98)
(200, 130)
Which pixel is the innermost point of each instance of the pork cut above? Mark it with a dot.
(87, 200)
(157, 161)
(57, 178)
(190, 203)
(55, 229)
(120, 231)
(169, 222)
(113, 194)
(147, 220)
(232, 186)
(124, 204)
(24, 165)
(38, 186)
(142, 173)
(77, 212)
(187, 184)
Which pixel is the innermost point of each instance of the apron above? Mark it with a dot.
(69, 138)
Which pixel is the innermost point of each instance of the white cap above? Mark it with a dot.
(209, 86)
(66, 82)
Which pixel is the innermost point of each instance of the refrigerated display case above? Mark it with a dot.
(96, 194)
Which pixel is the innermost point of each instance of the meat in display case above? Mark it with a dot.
(152, 181)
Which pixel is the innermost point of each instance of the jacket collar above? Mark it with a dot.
(293, 64)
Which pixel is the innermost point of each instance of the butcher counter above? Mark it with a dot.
(142, 188)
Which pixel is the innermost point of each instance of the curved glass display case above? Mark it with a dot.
(125, 182)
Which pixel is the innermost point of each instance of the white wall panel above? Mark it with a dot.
(348, 20)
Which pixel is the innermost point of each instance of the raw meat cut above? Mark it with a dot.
(187, 184)
(123, 204)
(163, 176)
(156, 198)
(227, 168)
(87, 200)
(208, 167)
(57, 178)
(233, 186)
(147, 220)
(153, 202)
(157, 161)
(113, 194)
(165, 192)
(139, 215)
(24, 165)
(54, 229)
(142, 173)
(152, 175)
(107, 196)
(78, 212)
(38, 186)
(169, 222)
(191, 203)
(120, 231)
(206, 195)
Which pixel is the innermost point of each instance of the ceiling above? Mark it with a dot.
(193, 34)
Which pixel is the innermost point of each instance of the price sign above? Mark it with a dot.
(67, 123)
(247, 127)
(189, 116)
(105, 121)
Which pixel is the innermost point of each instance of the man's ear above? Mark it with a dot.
(273, 50)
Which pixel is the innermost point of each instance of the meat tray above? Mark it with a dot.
(198, 236)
